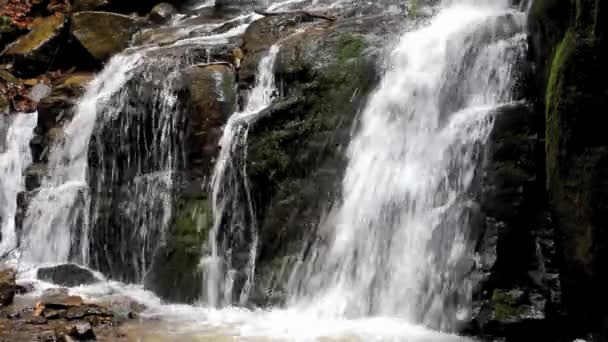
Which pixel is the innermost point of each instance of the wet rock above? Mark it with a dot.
(69, 275)
(48, 336)
(56, 109)
(7, 286)
(325, 74)
(5, 106)
(89, 5)
(54, 314)
(34, 52)
(260, 35)
(174, 274)
(212, 94)
(103, 34)
(13, 315)
(60, 300)
(36, 320)
(81, 331)
(162, 13)
(90, 310)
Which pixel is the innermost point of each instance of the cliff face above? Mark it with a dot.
(568, 46)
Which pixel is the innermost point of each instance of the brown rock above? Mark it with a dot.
(7, 286)
(103, 34)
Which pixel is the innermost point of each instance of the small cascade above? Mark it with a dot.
(15, 156)
(398, 243)
(59, 212)
(233, 238)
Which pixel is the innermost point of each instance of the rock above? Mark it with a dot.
(36, 320)
(212, 95)
(13, 315)
(55, 314)
(260, 35)
(326, 73)
(53, 111)
(24, 288)
(103, 34)
(162, 13)
(9, 78)
(34, 52)
(175, 275)
(5, 106)
(7, 286)
(81, 331)
(48, 336)
(60, 301)
(80, 312)
(89, 5)
(38, 92)
(69, 275)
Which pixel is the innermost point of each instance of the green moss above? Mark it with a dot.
(192, 223)
(350, 46)
(555, 96)
(4, 105)
(506, 304)
(6, 25)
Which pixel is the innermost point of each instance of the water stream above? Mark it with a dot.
(15, 157)
(234, 228)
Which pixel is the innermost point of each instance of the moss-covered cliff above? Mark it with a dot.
(569, 49)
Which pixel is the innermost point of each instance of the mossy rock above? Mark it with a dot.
(296, 147)
(575, 103)
(35, 51)
(103, 34)
(174, 275)
(4, 104)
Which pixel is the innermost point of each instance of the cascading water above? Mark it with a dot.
(233, 238)
(400, 235)
(15, 156)
(58, 213)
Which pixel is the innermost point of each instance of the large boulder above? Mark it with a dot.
(175, 275)
(103, 34)
(69, 275)
(35, 51)
(296, 147)
(7, 286)
(162, 13)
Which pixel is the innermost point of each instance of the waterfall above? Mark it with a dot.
(234, 231)
(15, 156)
(399, 239)
(58, 214)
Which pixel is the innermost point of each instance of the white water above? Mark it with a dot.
(229, 186)
(15, 157)
(59, 211)
(399, 238)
